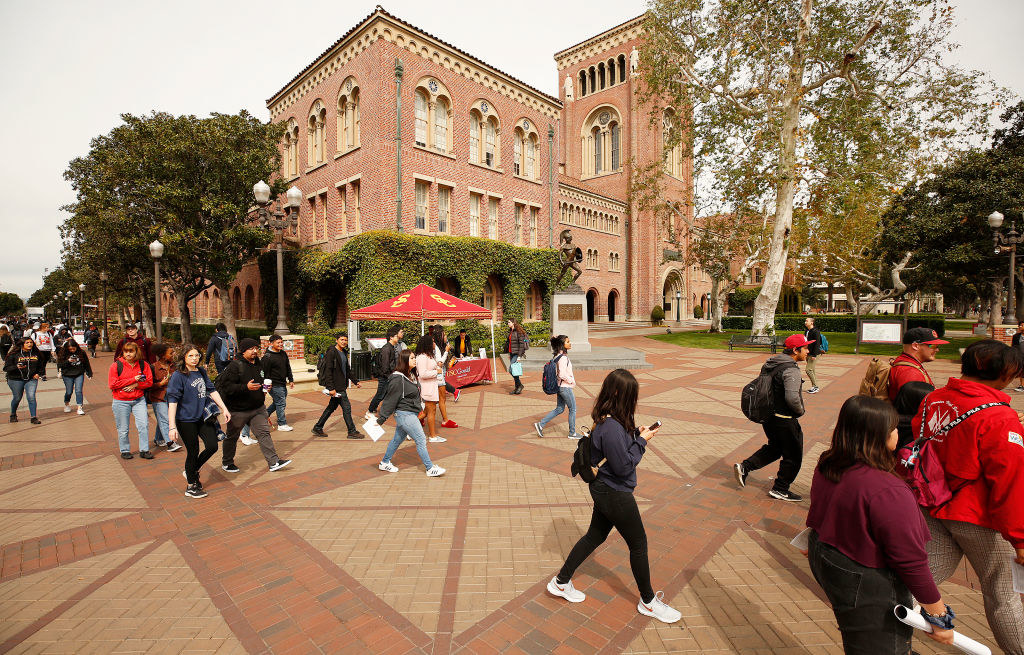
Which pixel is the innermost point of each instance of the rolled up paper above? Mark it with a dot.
(913, 618)
(802, 541)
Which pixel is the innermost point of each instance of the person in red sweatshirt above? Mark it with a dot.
(920, 345)
(132, 335)
(983, 459)
(128, 379)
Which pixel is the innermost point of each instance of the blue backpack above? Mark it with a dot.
(824, 343)
(227, 349)
(550, 380)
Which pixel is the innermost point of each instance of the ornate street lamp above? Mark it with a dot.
(56, 307)
(278, 221)
(81, 303)
(679, 297)
(68, 294)
(156, 250)
(105, 347)
(1007, 243)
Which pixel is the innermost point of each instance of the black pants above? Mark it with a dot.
(613, 509)
(190, 433)
(863, 599)
(44, 359)
(346, 409)
(785, 440)
(382, 388)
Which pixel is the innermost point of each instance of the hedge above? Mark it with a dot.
(201, 333)
(826, 323)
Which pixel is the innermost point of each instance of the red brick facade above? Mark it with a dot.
(341, 152)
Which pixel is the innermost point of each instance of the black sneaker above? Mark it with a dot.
(230, 468)
(317, 432)
(355, 435)
(788, 496)
(281, 463)
(35, 421)
(195, 491)
(173, 446)
(13, 419)
(145, 454)
(741, 474)
(126, 455)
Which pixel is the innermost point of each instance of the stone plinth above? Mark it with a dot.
(569, 317)
(1003, 333)
(294, 345)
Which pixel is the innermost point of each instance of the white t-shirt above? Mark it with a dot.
(44, 341)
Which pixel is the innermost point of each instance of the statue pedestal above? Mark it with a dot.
(569, 317)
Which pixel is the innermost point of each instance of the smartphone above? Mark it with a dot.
(654, 426)
(140, 377)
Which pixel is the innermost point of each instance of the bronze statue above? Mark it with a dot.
(569, 256)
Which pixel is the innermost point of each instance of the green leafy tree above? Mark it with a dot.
(182, 179)
(11, 304)
(769, 86)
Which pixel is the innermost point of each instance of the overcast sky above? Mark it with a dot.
(73, 67)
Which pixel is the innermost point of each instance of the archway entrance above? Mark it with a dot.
(672, 297)
(591, 301)
(613, 296)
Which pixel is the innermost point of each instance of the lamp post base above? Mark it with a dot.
(104, 348)
(282, 327)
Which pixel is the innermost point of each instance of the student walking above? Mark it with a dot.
(813, 337)
(337, 377)
(241, 387)
(403, 400)
(128, 378)
(426, 376)
(222, 348)
(560, 347)
(920, 346)
(133, 335)
(278, 370)
(518, 344)
(442, 355)
(189, 396)
(618, 446)
(92, 339)
(74, 366)
(982, 458)
(23, 367)
(386, 361)
(867, 545)
(43, 339)
(785, 438)
(6, 341)
(156, 395)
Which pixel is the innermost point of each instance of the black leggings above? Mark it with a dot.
(190, 433)
(613, 509)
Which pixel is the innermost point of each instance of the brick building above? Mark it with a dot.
(481, 154)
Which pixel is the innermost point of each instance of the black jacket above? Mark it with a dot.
(92, 336)
(455, 346)
(518, 344)
(231, 384)
(277, 367)
(76, 364)
(6, 342)
(337, 371)
(29, 364)
(388, 360)
(403, 395)
(814, 334)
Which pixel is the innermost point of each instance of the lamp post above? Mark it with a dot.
(105, 347)
(81, 303)
(156, 250)
(278, 221)
(67, 295)
(1007, 243)
(56, 307)
(679, 297)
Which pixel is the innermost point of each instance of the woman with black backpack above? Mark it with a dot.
(616, 448)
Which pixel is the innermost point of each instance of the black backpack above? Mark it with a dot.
(377, 364)
(321, 367)
(757, 400)
(581, 461)
(142, 368)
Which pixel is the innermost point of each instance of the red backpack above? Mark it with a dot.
(920, 465)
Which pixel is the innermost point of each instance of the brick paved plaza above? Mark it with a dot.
(330, 555)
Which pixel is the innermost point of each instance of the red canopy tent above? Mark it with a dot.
(423, 302)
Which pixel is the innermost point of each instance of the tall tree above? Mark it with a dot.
(765, 79)
(182, 179)
(11, 304)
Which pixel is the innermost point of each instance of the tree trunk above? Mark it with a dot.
(227, 307)
(851, 298)
(996, 317)
(717, 301)
(186, 316)
(121, 319)
(148, 326)
(768, 299)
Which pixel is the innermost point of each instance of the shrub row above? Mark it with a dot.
(826, 323)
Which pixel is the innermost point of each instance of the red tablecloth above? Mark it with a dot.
(466, 372)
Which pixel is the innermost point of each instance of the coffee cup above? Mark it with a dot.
(266, 385)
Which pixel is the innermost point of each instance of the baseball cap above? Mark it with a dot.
(795, 341)
(923, 335)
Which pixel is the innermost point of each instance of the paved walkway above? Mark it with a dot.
(330, 555)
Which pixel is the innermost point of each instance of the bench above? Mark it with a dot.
(760, 341)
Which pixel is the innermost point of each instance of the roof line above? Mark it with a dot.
(381, 12)
(599, 36)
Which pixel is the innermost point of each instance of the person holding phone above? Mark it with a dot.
(23, 366)
(128, 378)
(616, 449)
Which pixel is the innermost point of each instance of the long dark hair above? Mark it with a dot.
(19, 345)
(425, 346)
(558, 344)
(404, 365)
(617, 398)
(860, 437)
(179, 358)
(911, 395)
(437, 334)
(65, 351)
(518, 328)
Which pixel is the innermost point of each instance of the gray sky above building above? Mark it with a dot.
(73, 67)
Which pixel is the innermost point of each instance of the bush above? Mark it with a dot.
(201, 333)
(698, 311)
(657, 315)
(825, 323)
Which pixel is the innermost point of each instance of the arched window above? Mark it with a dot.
(492, 295)
(484, 133)
(204, 307)
(533, 309)
(250, 301)
(611, 71)
(218, 310)
(236, 301)
(316, 132)
(474, 136)
(291, 149)
(601, 151)
(348, 115)
(531, 157)
(615, 145)
(601, 75)
(433, 115)
(622, 68)
(595, 135)
(442, 113)
(671, 143)
(524, 149)
(517, 151)
(593, 79)
(421, 118)
(583, 83)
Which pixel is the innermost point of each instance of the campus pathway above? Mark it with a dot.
(329, 555)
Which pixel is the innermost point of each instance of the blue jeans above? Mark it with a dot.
(408, 423)
(123, 409)
(566, 399)
(73, 384)
(21, 388)
(277, 401)
(163, 428)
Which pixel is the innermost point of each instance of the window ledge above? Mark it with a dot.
(314, 167)
(417, 230)
(290, 178)
(527, 179)
(435, 151)
(342, 153)
(487, 168)
(604, 174)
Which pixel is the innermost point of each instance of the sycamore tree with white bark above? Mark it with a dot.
(789, 101)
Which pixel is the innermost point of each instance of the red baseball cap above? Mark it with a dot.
(795, 341)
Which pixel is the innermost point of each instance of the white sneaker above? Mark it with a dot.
(435, 471)
(285, 428)
(658, 609)
(437, 440)
(248, 441)
(389, 467)
(575, 436)
(67, 409)
(566, 591)
(81, 412)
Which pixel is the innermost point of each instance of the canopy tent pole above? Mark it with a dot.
(494, 361)
(422, 332)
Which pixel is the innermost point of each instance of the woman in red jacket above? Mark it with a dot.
(128, 378)
(983, 458)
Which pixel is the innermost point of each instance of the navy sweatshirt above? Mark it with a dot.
(189, 390)
(623, 450)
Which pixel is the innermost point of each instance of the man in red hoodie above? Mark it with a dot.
(983, 459)
(131, 335)
(920, 345)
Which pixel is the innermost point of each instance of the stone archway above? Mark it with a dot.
(673, 294)
(613, 297)
(591, 305)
